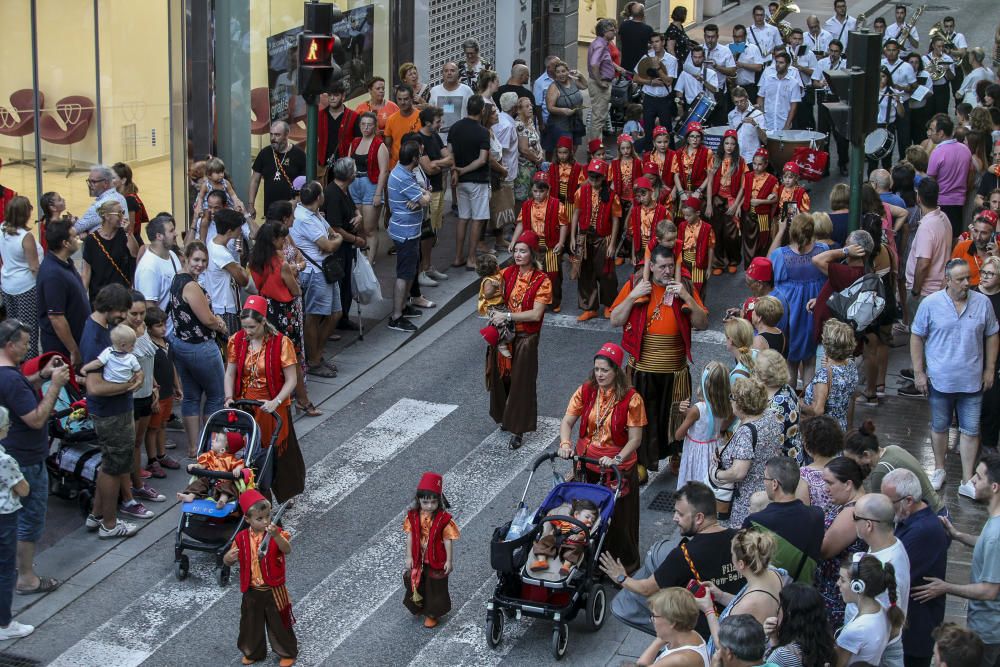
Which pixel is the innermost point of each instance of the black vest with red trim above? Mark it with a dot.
(373, 171)
(635, 327)
(534, 284)
(770, 183)
(574, 182)
(603, 226)
(551, 229)
(435, 556)
(272, 362)
(635, 224)
(272, 565)
(345, 133)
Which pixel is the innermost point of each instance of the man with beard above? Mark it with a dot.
(977, 248)
(953, 347)
(277, 165)
(657, 316)
(703, 555)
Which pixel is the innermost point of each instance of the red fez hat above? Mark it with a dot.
(432, 482)
(565, 142)
(658, 130)
(987, 216)
(625, 137)
(594, 146)
(249, 498)
(762, 152)
(234, 441)
(613, 353)
(693, 202)
(598, 167)
(730, 133)
(491, 335)
(792, 167)
(256, 303)
(695, 126)
(530, 239)
(760, 269)
(540, 178)
(650, 167)
(642, 183)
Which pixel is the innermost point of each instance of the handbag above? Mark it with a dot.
(812, 161)
(332, 267)
(725, 492)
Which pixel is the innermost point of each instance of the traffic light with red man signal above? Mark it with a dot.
(319, 50)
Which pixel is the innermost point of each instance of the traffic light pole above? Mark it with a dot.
(312, 118)
(855, 176)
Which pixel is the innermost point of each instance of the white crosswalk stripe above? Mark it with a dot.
(133, 635)
(332, 611)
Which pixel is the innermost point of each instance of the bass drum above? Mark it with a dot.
(879, 144)
(712, 138)
(700, 108)
(781, 145)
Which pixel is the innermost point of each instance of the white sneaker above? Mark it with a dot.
(15, 631)
(937, 478)
(121, 529)
(92, 523)
(437, 275)
(967, 489)
(425, 280)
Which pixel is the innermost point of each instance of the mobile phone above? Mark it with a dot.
(696, 588)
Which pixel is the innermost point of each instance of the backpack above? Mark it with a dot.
(861, 303)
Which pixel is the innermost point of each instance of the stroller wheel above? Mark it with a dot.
(560, 640)
(223, 576)
(597, 608)
(494, 628)
(181, 568)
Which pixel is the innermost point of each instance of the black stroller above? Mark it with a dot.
(551, 595)
(204, 527)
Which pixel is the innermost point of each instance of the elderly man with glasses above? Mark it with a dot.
(101, 185)
(926, 543)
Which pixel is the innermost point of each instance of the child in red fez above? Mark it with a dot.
(595, 150)
(792, 197)
(697, 247)
(430, 532)
(663, 157)
(221, 459)
(643, 217)
(760, 194)
(565, 174)
(266, 605)
(624, 171)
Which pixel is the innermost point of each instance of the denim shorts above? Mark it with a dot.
(943, 406)
(362, 190)
(31, 518)
(116, 438)
(199, 366)
(318, 296)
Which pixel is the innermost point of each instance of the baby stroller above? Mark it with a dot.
(549, 595)
(72, 467)
(204, 527)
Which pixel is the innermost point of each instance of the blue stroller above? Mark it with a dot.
(551, 595)
(204, 527)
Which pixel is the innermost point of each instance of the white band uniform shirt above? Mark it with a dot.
(779, 93)
(746, 133)
(840, 30)
(691, 87)
(817, 43)
(670, 64)
(751, 56)
(893, 32)
(944, 60)
(902, 74)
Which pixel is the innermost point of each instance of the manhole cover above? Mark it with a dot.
(663, 502)
(11, 660)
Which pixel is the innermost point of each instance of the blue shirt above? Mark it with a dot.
(984, 615)
(926, 543)
(94, 340)
(540, 89)
(893, 199)
(27, 445)
(953, 343)
(60, 292)
(404, 224)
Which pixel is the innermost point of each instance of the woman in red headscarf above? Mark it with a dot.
(261, 367)
(511, 382)
(690, 165)
(725, 199)
(611, 416)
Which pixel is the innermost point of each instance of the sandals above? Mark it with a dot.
(427, 303)
(307, 408)
(45, 585)
(867, 399)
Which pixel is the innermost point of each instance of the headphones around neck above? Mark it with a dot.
(857, 583)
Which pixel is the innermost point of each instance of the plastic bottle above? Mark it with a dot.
(519, 526)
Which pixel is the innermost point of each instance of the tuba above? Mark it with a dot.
(904, 34)
(937, 69)
(785, 7)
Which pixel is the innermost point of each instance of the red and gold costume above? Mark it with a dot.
(623, 175)
(796, 195)
(727, 183)
(691, 166)
(642, 225)
(757, 219)
(597, 283)
(547, 219)
(666, 164)
(427, 583)
(564, 179)
(209, 460)
(696, 240)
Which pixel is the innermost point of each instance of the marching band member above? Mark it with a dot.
(942, 86)
(832, 62)
(749, 61)
(759, 197)
(689, 85)
(958, 50)
(657, 91)
(894, 31)
(764, 35)
(890, 108)
(840, 24)
(816, 38)
(780, 94)
(748, 121)
(903, 79)
(805, 62)
(720, 59)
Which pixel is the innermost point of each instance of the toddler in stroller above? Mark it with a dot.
(221, 459)
(564, 539)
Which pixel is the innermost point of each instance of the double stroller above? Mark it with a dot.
(551, 595)
(204, 527)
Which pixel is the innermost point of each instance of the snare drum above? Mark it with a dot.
(781, 145)
(700, 108)
(713, 137)
(878, 144)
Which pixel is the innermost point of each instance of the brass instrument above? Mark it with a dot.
(937, 69)
(937, 30)
(785, 7)
(904, 34)
(862, 17)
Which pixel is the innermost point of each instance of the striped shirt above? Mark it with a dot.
(404, 224)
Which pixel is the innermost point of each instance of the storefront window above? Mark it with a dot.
(17, 135)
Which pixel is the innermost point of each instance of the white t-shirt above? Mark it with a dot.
(217, 281)
(16, 276)
(865, 637)
(119, 367)
(308, 228)
(968, 87)
(896, 554)
(153, 277)
(746, 134)
(453, 103)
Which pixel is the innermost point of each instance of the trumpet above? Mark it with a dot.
(904, 34)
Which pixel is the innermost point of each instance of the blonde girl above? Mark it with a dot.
(739, 342)
(704, 423)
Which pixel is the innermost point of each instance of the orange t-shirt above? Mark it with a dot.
(516, 297)
(382, 115)
(965, 250)
(398, 126)
(601, 433)
(661, 323)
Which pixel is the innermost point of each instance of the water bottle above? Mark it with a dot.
(519, 526)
